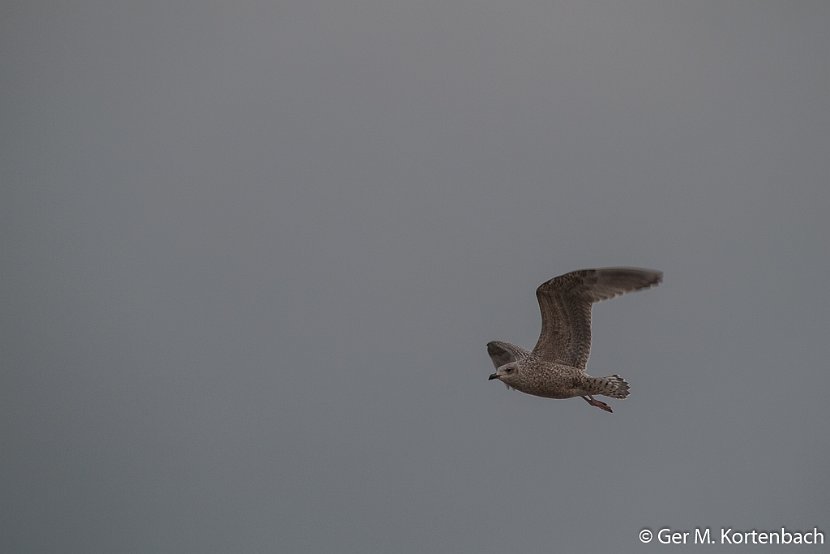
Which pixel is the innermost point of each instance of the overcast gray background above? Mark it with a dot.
(252, 253)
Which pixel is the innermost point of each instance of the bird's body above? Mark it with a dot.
(552, 380)
(556, 366)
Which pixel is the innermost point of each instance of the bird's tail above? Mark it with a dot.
(613, 386)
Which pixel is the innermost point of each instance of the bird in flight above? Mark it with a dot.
(556, 366)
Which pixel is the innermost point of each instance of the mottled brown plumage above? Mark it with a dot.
(556, 366)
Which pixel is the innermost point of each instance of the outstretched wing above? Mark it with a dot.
(503, 352)
(565, 302)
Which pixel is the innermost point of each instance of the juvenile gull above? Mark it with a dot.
(556, 367)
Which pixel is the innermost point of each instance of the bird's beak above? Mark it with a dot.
(493, 376)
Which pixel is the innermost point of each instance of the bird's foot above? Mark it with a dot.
(598, 403)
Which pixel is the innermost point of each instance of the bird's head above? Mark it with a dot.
(507, 374)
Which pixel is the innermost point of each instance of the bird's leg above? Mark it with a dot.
(598, 403)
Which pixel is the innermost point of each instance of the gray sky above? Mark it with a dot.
(252, 253)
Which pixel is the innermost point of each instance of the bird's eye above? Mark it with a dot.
(509, 370)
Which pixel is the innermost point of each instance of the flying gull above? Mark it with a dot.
(556, 366)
